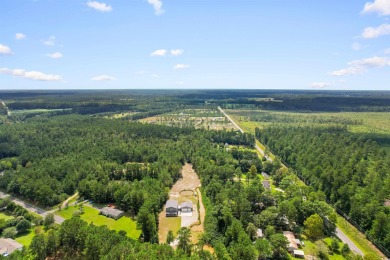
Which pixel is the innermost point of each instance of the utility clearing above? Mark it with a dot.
(185, 189)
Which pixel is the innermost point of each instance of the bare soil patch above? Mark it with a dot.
(186, 188)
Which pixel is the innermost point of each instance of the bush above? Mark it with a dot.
(10, 232)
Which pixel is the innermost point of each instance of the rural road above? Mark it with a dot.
(261, 151)
(32, 208)
(340, 234)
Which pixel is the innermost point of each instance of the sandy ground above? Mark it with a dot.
(184, 190)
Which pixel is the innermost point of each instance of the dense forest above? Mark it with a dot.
(353, 172)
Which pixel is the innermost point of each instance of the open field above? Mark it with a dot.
(92, 215)
(375, 125)
(26, 239)
(5, 216)
(199, 118)
(38, 111)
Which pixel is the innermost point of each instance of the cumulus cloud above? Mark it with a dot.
(372, 32)
(177, 52)
(103, 78)
(319, 85)
(55, 55)
(5, 50)
(360, 66)
(102, 7)
(181, 66)
(157, 6)
(20, 36)
(161, 53)
(34, 75)
(382, 7)
(51, 41)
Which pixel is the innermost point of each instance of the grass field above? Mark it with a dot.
(5, 216)
(92, 215)
(26, 239)
(28, 111)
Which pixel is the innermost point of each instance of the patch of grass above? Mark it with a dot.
(92, 215)
(26, 238)
(168, 223)
(5, 216)
(358, 238)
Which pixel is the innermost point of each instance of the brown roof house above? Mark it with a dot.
(8, 246)
(292, 245)
(111, 212)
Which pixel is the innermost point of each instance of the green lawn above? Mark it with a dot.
(26, 239)
(92, 215)
(5, 216)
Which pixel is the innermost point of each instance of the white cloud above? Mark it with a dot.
(387, 51)
(140, 72)
(371, 32)
(55, 55)
(181, 66)
(177, 52)
(360, 66)
(319, 85)
(5, 50)
(382, 7)
(356, 46)
(20, 36)
(103, 78)
(34, 75)
(180, 83)
(157, 6)
(51, 41)
(154, 75)
(102, 7)
(161, 53)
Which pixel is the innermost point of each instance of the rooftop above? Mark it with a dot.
(111, 211)
(186, 204)
(172, 204)
(8, 245)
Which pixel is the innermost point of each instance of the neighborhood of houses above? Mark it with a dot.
(173, 209)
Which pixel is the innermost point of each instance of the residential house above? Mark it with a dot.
(111, 212)
(8, 246)
(171, 208)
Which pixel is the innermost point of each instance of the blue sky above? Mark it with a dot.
(248, 44)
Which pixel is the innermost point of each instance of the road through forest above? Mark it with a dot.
(32, 208)
(340, 234)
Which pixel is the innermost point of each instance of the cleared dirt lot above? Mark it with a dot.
(185, 189)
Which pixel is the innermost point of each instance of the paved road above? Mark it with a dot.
(32, 208)
(339, 233)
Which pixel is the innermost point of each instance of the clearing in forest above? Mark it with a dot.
(185, 189)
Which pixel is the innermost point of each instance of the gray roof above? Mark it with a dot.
(266, 184)
(186, 204)
(172, 204)
(8, 245)
(111, 211)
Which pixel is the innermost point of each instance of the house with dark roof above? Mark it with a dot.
(111, 212)
(171, 208)
(186, 206)
(8, 246)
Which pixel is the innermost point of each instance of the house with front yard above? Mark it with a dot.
(111, 212)
(8, 246)
(186, 206)
(171, 208)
